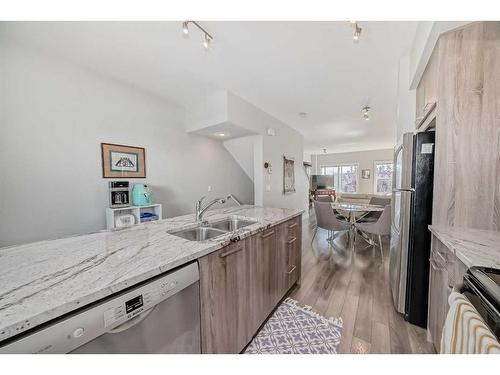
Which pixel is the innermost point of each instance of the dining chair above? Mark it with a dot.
(380, 201)
(381, 227)
(326, 219)
(373, 216)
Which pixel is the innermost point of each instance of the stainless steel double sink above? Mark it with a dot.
(208, 231)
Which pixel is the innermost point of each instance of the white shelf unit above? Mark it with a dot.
(112, 213)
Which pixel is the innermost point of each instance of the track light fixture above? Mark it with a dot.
(365, 113)
(207, 38)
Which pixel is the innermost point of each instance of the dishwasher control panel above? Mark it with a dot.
(84, 326)
(139, 303)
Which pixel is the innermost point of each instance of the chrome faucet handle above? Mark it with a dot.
(231, 196)
(199, 202)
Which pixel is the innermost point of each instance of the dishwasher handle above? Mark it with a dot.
(132, 322)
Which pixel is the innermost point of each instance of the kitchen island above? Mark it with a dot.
(45, 280)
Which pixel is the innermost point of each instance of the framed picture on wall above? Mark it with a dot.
(365, 173)
(121, 161)
(288, 175)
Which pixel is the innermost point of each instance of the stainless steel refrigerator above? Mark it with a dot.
(411, 215)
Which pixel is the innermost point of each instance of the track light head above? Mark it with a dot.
(185, 28)
(365, 113)
(206, 42)
(357, 33)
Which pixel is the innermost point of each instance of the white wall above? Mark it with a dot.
(242, 150)
(365, 159)
(406, 100)
(286, 141)
(53, 118)
(234, 115)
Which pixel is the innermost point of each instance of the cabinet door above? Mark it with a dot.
(427, 88)
(262, 282)
(226, 299)
(438, 301)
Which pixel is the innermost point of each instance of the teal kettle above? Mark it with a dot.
(141, 195)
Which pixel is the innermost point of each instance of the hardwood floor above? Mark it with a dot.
(355, 286)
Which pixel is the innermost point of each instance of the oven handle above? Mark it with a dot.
(470, 287)
(132, 322)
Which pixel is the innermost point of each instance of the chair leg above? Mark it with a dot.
(381, 248)
(314, 235)
(354, 241)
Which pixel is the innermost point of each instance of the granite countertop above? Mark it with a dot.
(474, 247)
(44, 280)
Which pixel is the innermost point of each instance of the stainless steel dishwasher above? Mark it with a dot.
(158, 316)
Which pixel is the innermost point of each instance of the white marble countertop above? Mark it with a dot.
(474, 247)
(44, 280)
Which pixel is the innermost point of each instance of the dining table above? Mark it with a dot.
(354, 212)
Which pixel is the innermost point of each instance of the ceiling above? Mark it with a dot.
(282, 67)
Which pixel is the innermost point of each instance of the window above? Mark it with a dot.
(345, 177)
(383, 177)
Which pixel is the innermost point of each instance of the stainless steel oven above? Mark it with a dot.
(161, 315)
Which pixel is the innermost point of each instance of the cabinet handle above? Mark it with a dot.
(292, 240)
(435, 266)
(293, 269)
(229, 252)
(291, 226)
(268, 234)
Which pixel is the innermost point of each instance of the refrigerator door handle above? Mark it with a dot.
(411, 190)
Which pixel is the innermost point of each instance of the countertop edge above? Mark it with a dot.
(447, 240)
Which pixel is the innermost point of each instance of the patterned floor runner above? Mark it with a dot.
(297, 330)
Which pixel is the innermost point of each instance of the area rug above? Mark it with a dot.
(297, 330)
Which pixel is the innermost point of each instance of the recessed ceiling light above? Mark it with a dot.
(303, 114)
(221, 134)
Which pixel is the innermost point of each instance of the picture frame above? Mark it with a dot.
(365, 174)
(122, 161)
(288, 175)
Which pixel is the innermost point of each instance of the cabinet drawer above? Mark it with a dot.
(444, 257)
(292, 227)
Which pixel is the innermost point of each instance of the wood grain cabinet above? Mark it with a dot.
(225, 285)
(466, 165)
(242, 283)
(427, 89)
(446, 272)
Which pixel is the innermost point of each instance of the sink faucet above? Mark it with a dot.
(200, 211)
